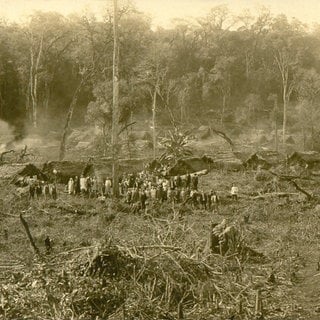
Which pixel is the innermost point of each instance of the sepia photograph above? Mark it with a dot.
(159, 159)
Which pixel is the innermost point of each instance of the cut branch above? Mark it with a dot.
(309, 196)
(26, 227)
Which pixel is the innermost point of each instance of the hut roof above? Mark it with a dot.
(8, 171)
(309, 157)
(290, 140)
(32, 170)
(65, 169)
(103, 168)
(192, 164)
(14, 171)
(268, 157)
(243, 156)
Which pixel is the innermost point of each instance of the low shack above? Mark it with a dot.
(192, 164)
(310, 159)
(227, 160)
(154, 165)
(62, 171)
(103, 169)
(264, 159)
(17, 173)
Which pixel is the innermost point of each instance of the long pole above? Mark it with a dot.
(115, 110)
(275, 121)
(154, 135)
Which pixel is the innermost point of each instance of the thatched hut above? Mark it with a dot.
(203, 132)
(310, 159)
(264, 160)
(103, 169)
(99, 170)
(154, 165)
(65, 170)
(290, 140)
(192, 164)
(18, 172)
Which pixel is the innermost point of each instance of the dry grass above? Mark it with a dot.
(162, 260)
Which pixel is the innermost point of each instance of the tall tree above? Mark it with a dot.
(286, 43)
(115, 106)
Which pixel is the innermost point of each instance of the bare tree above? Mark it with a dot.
(115, 110)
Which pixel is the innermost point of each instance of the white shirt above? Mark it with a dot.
(234, 190)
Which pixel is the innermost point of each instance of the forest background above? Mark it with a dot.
(237, 73)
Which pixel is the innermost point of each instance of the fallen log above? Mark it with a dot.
(273, 194)
(291, 179)
(198, 173)
(309, 196)
(26, 227)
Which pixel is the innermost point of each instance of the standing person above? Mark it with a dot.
(53, 191)
(194, 197)
(107, 187)
(94, 187)
(203, 200)
(135, 196)
(46, 190)
(128, 196)
(89, 186)
(177, 195)
(159, 193)
(188, 180)
(234, 192)
(153, 194)
(195, 181)
(32, 189)
(171, 182)
(48, 244)
(77, 185)
(70, 186)
(183, 195)
(83, 185)
(143, 199)
(38, 189)
(214, 201)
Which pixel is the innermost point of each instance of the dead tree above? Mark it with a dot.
(4, 153)
(23, 153)
(223, 136)
(115, 103)
(69, 118)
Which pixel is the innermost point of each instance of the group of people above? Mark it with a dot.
(41, 189)
(88, 186)
(138, 190)
(146, 188)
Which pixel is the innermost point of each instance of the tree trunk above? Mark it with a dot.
(47, 98)
(276, 122)
(284, 125)
(154, 135)
(223, 108)
(115, 111)
(312, 135)
(68, 121)
(34, 69)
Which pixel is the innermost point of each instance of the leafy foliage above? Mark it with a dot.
(175, 145)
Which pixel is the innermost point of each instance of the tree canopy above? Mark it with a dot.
(216, 70)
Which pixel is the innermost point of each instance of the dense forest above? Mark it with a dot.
(236, 73)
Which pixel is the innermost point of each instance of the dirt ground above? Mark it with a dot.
(285, 231)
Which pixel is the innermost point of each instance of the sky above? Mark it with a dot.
(163, 11)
